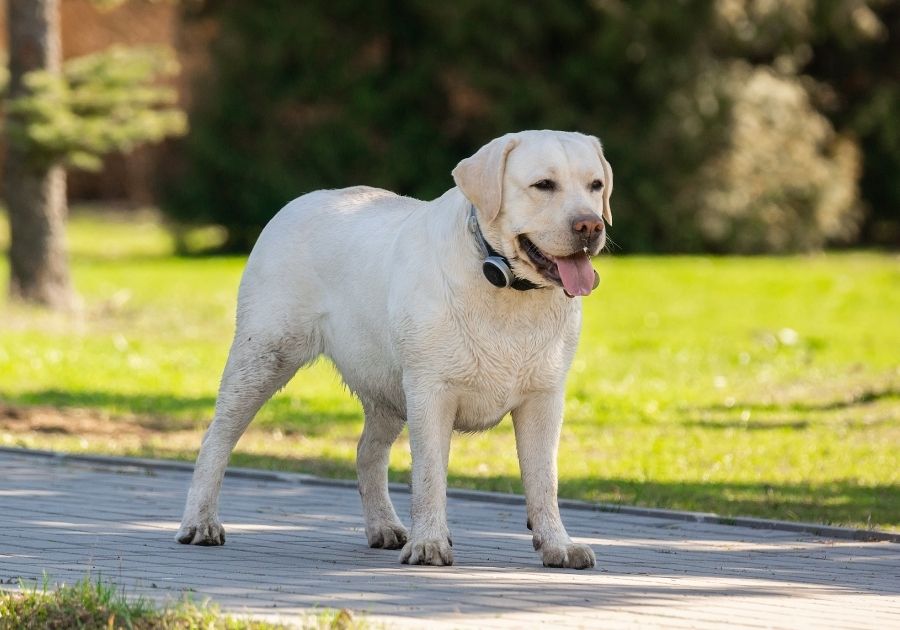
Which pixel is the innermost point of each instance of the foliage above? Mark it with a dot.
(784, 181)
(856, 54)
(416, 85)
(744, 386)
(846, 55)
(108, 101)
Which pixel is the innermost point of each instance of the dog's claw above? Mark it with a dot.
(387, 536)
(433, 552)
(211, 534)
(571, 556)
(185, 535)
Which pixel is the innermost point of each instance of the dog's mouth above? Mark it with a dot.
(573, 273)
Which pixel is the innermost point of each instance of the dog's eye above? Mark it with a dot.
(596, 185)
(545, 184)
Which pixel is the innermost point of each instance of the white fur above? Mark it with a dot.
(391, 290)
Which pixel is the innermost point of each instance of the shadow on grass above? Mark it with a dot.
(780, 423)
(160, 404)
(165, 412)
(749, 425)
(865, 397)
(841, 502)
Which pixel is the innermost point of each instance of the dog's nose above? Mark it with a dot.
(588, 225)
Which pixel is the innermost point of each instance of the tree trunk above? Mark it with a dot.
(35, 193)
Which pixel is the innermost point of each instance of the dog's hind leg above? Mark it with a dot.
(258, 365)
(383, 527)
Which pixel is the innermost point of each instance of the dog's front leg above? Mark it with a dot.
(431, 412)
(537, 423)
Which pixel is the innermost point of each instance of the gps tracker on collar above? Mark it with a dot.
(495, 266)
(497, 271)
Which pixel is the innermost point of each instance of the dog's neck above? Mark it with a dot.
(462, 253)
(496, 267)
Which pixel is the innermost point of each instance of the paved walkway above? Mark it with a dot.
(295, 545)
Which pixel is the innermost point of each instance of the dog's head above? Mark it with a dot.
(542, 197)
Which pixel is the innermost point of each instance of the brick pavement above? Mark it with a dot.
(295, 545)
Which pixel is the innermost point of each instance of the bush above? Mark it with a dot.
(784, 181)
(304, 96)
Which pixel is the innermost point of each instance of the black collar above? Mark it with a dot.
(517, 283)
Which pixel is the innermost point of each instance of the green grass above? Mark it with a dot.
(98, 605)
(743, 386)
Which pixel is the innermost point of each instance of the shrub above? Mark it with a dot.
(785, 181)
(303, 96)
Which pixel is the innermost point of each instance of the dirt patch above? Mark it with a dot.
(71, 421)
(86, 430)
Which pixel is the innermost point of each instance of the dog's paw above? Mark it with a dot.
(435, 552)
(571, 556)
(386, 535)
(207, 534)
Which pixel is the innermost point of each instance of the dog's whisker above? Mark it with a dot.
(609, 245)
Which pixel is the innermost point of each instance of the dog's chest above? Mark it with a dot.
(495, 371)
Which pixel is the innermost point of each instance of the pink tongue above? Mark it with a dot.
(577, 274)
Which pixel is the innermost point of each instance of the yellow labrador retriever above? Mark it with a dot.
(441, 315)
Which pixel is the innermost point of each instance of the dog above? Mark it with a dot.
(442, 315)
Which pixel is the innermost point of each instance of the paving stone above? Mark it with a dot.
(296, 546)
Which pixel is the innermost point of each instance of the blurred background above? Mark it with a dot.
(742, 355)
(733, 125)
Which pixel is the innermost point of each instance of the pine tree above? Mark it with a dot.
(35, 194)
(68, 115)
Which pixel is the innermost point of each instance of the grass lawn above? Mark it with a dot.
(743, 386)
(97, 605)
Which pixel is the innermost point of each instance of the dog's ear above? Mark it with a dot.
(480, 177)
(607, 180)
